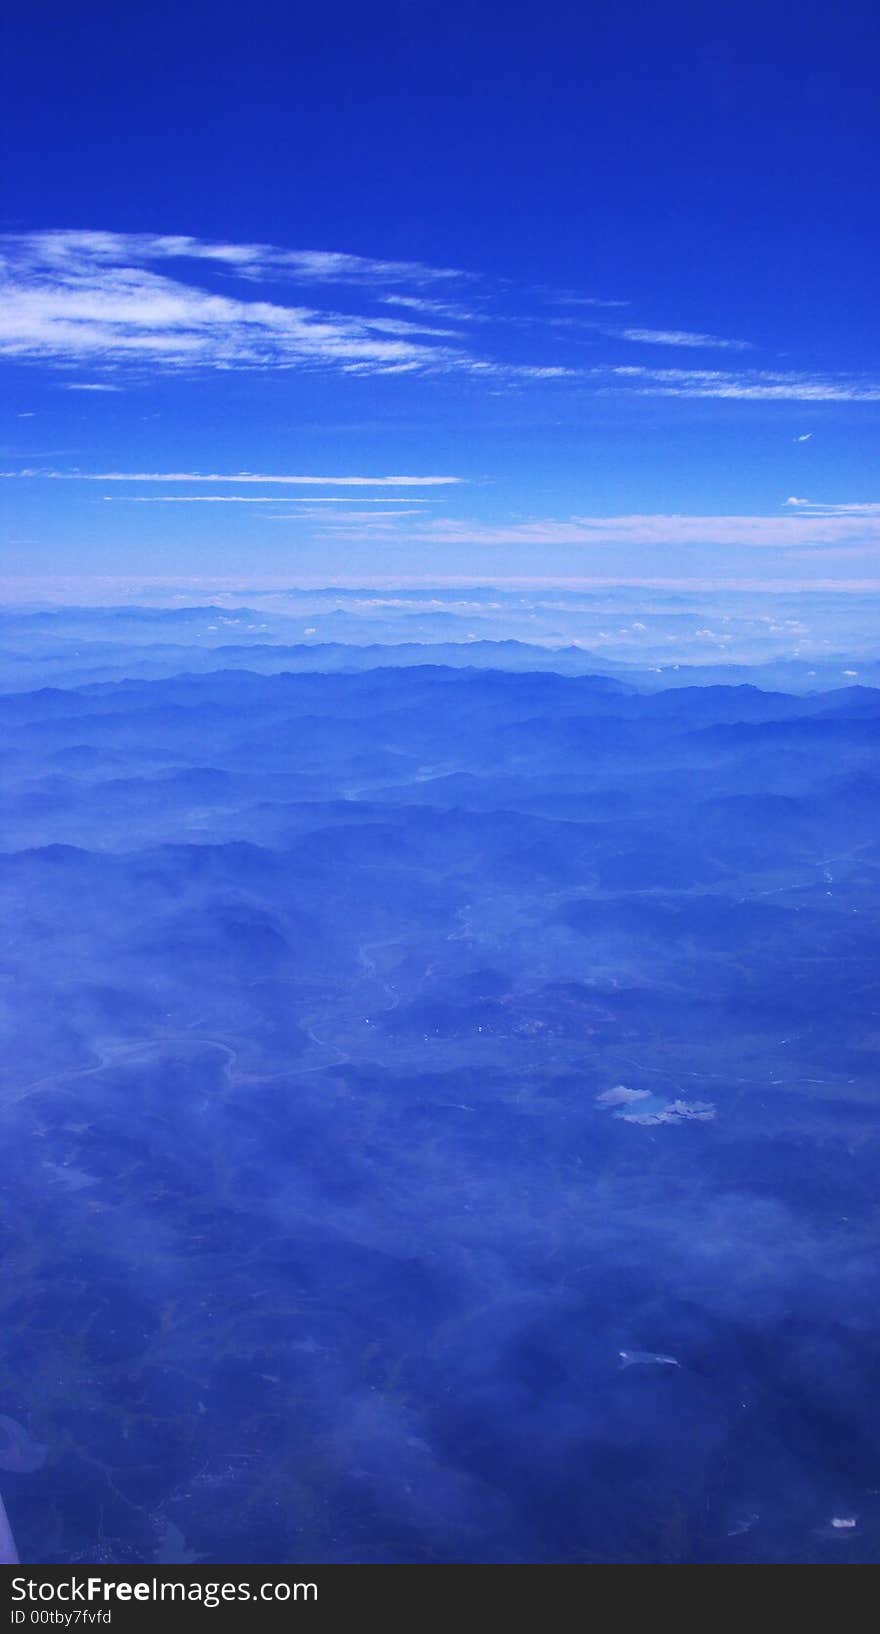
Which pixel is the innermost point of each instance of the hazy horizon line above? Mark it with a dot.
(65, 589)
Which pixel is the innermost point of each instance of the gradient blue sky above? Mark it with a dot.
(612, 268)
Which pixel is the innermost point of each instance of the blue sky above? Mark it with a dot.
(609, 270)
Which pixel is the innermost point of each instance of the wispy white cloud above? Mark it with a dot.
(689, 339)
(61, 246)
(805, 437)
(340, 517)
(563, 297)
(89, 385)
(513, 372)
(752, 384)
(784, 532)
(541, 371)
(132, 301)
(329, 267)
(682, 337)
(87, 302)
(451, 310)
(237, 477)
(852, 508)
(81, 298)
(262, 499)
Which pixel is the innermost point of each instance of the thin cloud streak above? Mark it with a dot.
(765, 532)
(341, 517)
(59, 246)
(449, 310)
(237, 477)
(754, 385)
(262, 499)
(681, 337)
(562, 297)
(809, 507)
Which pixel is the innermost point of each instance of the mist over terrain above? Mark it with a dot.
(439, 1098)
(799, 640)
